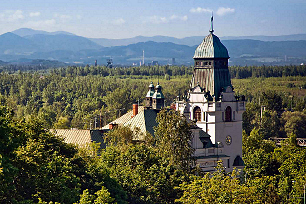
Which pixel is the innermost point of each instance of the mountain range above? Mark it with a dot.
(27, 44)
(193, 40)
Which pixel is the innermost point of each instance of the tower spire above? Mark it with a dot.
(212, 23)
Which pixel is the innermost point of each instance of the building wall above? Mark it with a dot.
(213, 122)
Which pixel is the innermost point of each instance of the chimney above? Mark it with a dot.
(135, 109)
(112, 126)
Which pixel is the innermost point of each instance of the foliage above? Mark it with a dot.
(295, 123)
(258, 155)
(147, 175)
(40, 167)
(33, 162)
(173, 136)
(217, 187)
(267, 71)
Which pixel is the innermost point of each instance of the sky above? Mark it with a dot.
(117, 19)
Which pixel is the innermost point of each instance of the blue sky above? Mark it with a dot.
(177, 18)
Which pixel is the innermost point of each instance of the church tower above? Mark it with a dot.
(158, 98)
(212, 103)
(149, 96)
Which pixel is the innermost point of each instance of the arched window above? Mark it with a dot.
(228, 114)
(197, 113)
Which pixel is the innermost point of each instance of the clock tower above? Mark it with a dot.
(212, 103)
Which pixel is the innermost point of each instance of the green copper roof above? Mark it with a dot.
(151, 90)
(158, 92)
(211, 47)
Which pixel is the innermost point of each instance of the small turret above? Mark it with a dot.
(158, 98)
(149, 96)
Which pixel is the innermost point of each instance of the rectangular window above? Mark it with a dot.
(222, 116)
(210, 151)
(234, 115)
(204, 116)
(228, 163)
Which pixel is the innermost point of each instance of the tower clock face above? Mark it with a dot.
(228, 140)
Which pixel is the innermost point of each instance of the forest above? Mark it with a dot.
(37, 167)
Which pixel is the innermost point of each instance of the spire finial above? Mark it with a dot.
(212, 23)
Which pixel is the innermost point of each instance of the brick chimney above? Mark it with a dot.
(135, 109)
(112, 126)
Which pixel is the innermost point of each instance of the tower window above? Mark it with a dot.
(209, 63)
(197, 113)
(228, 114)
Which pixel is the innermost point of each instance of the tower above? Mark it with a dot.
(158, 98)
(149, 96)
(211, 101)
(143, 58)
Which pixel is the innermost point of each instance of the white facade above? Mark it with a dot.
(222, 120)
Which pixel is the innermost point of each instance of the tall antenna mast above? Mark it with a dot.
(212, 23)
(143, 57)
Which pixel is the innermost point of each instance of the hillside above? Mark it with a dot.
(32, 44)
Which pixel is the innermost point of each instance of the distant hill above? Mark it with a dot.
(238, 48)
(28, 31)
(294, 37)
(70, 48)
(127, 41)
(192, 40)
(11, 43)
(62, 42)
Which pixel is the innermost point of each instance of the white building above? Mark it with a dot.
(212, 104)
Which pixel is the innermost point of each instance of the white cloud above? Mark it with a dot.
(34, 14)
(184, 18)
(119, 21)
(157, 20)
(161, 19)
(41, 23)
(10, 15)
(223, 11)
(200, 10)
(173, 17)
(62, 17)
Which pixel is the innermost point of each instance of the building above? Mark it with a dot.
(213, 105)
(154, 63)
(80, 137)
(142, 119)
